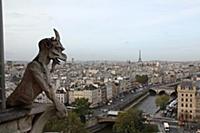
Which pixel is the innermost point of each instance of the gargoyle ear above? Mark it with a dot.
(48, 44)
(45, 44)
(57, 35)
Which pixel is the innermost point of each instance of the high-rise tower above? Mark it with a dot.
(140, 56)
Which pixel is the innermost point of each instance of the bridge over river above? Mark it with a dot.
(163, 90)
(169, 89)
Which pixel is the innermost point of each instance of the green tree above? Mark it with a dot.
(162, 101)
(129, 122)
(150, 129)
(142, 79)
(132, 121)
(70, 124)
(82, 106)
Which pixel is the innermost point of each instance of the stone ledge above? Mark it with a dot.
(17, 113)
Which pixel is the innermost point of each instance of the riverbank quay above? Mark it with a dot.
(137, 101)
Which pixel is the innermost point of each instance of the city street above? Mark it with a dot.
(173, 125)
(117, 103)
(174, 128)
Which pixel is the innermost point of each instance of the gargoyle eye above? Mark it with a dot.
(58, 49)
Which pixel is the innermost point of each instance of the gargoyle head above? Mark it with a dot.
(54, 49)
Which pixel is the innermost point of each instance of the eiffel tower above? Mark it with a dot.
(140, 58)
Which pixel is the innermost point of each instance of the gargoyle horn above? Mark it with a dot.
(57, 34)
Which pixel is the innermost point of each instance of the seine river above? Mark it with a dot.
(148, 106)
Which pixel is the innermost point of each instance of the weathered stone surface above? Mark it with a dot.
(42, 120)
(17, 126)
(10, 127)
(22, 120)
(25, 124)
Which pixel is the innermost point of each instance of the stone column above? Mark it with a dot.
(2, 76)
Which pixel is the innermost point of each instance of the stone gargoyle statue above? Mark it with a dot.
(36, 77)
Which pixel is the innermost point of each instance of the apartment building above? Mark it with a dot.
(61, 95)
(90, 92)
(189, 101)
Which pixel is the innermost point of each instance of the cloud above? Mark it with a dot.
(24, 21)
(104, 26)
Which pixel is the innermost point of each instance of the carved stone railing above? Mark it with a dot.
(20, 120)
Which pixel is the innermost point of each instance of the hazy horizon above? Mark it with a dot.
(105, 29)
(133, 61)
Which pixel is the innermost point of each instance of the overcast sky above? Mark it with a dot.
(105, 29)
